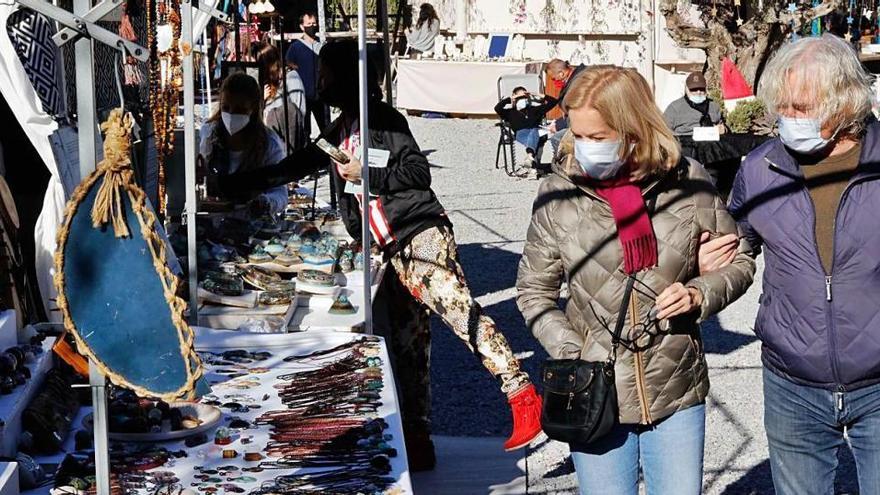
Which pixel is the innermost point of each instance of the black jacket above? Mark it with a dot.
(562, 122)
(404, 186)
(528, 119)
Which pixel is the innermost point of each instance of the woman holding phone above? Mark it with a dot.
(411, 229)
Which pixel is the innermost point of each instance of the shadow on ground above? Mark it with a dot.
(718, 340)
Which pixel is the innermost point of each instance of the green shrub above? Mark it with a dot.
(740, 120)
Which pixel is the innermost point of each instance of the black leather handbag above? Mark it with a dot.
(580, 398)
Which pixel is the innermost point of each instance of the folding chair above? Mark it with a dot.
(507, 137)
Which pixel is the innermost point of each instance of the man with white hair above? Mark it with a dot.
(811, 200)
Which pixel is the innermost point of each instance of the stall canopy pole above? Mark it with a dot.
(86, 123)
(189, 143)
(389, 97)
(364, 129)
(280, 27)
(322, 22)
(189, 160)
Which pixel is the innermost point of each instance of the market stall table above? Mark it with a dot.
(265, 394)
(454, 87)
(313, 312)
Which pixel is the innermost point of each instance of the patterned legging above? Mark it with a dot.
(429, 268)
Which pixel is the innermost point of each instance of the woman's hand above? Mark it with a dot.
(716, 253)
(350, 171)
(677, 300)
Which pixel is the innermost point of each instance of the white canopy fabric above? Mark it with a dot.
(38, 126)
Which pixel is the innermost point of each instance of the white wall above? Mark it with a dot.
(552, 27)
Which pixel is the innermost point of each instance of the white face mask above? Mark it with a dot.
(697, 99)
(235, 122)
(802, 135)
(522, 103)
(600, 160)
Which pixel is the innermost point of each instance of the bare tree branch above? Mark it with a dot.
(801, 18)
(683, 33)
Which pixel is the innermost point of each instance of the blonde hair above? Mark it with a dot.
(625, 101)
(825, 70)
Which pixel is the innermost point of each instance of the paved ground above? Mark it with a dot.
(491, 213)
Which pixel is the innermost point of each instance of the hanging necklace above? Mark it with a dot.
(163, 27)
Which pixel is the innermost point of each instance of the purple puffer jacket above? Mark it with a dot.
(817, 329)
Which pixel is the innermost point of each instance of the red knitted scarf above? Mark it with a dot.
(634, 230)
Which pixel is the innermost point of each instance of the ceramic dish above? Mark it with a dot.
(209, 416)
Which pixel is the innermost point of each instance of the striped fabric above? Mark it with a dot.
(380, 228)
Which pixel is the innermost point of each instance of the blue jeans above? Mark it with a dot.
(805, 428)
(670, 454)
(529, 138)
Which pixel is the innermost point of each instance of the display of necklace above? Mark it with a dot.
(129, 469)
(330, 422)
(163, 28)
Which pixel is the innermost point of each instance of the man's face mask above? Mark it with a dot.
(312, 31)
(803, 135)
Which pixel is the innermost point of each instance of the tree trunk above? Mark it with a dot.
(749, 45)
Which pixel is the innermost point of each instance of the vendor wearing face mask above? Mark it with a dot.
(302, 56)
(694, 109)
(235, 140)
(525, 112)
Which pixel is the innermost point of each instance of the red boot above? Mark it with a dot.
(526, 407)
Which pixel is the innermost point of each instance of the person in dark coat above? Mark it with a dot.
(524, 113)
(809, 201)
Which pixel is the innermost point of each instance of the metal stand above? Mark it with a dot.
(189, 146)
(81, 28)
(98, 384)
(280, 27)
(364, 129)
(189, 143)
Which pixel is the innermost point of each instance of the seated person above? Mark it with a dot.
(420, 38)
(235, 139)
(524, 113)
(694, 109)
(274, 112)
(562, 74)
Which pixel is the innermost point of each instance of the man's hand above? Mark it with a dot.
(552, 127)
(350, 171)
(721, 128)
(716, 253)
(677, 300)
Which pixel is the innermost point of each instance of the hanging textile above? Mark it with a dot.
(31, 35)
(38, 125)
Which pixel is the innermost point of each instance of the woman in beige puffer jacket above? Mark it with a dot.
(661, 376)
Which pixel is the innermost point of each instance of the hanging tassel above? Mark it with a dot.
(126, 30)
(116, 169)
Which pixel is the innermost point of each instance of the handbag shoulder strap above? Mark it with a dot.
(621, 317)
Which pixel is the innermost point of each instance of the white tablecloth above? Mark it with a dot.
(280, 345)
(454, 87)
